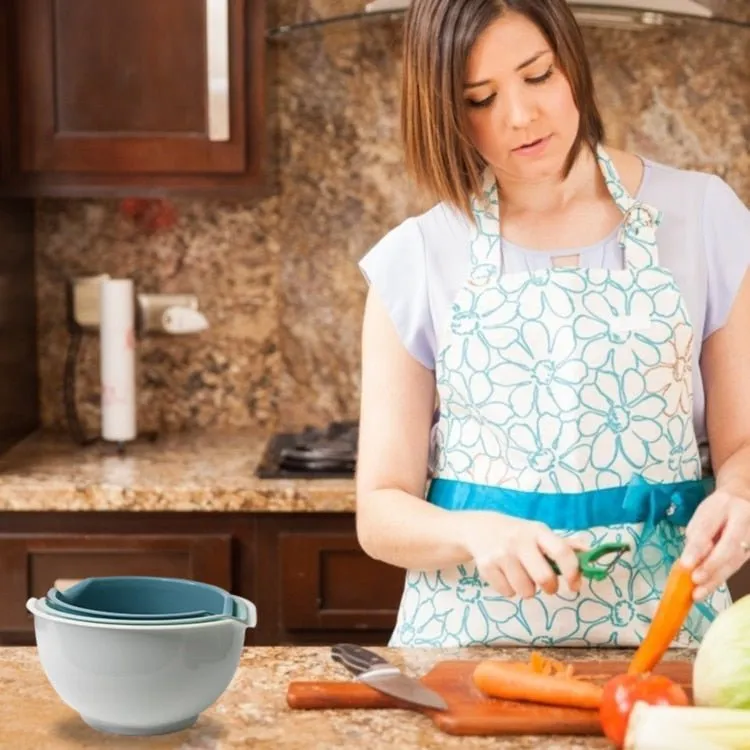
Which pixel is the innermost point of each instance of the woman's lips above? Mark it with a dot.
(534, 148)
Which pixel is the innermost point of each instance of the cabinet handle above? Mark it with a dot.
(217, 54)
(65, 583)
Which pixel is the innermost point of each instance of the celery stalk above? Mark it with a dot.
(687, 728)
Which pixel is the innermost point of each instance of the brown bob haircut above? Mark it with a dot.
(438, 39)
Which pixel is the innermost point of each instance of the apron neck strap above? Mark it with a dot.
(637, 235)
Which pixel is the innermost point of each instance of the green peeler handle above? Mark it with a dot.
(587, 560)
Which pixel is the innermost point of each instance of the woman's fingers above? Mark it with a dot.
(703, 528)
(517, 575)
(538, 569)
(562, 551)
(523, 565)
(727, 555)
(497, 580)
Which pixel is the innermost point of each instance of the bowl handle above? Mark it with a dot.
(247, 614)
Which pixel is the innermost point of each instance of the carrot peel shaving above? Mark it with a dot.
(545, 665)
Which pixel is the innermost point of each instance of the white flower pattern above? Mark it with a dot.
(611, 339)
(672, 376)
(544, 291)
(622, 419)
(551, 446)
(540, 370)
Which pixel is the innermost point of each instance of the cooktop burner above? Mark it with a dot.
(318, 453)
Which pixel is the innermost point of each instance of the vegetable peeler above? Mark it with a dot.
(587, 560)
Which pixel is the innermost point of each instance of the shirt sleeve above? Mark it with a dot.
(396, 269)
(726, 238)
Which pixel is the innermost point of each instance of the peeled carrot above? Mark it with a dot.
(502, 680)
(671, 613)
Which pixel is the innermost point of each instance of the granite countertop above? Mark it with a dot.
(179, 472)
(253, 710)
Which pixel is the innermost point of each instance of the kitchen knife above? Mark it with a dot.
(375, 671)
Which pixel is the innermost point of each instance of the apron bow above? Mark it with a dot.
(655, 502)
(663, 509)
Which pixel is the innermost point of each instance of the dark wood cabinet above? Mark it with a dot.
(316, 585)
(328, 584)
(7, 71)
(739, 583)
(136, 96)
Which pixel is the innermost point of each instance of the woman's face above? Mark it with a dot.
(522, 117)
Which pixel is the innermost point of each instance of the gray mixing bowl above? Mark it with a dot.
(138, 679)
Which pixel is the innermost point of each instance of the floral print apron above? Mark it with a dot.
(566, 398)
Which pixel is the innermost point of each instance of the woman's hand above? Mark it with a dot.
(718, 539)
(509, 553)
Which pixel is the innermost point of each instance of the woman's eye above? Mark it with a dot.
(482, 102)
(540, 79)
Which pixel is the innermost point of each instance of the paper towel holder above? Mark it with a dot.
(154, 314)
(169, 314)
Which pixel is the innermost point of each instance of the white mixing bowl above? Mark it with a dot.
(138, 679)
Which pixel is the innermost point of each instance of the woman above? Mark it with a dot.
(580, 315)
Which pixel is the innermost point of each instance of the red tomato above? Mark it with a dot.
(622, 692)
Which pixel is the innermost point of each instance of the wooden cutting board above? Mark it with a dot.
(472, 713)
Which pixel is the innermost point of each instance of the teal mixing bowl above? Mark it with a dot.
(144, 598)
(138, 679)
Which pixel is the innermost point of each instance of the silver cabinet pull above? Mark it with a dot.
(217, 54)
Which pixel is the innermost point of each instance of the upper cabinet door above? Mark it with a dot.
(140, 92)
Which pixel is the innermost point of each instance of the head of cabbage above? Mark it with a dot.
(721, 671)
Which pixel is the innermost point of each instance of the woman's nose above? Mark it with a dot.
(519, 110)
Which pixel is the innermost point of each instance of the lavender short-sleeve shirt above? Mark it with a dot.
(704, 240)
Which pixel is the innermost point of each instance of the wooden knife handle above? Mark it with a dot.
(323, 695)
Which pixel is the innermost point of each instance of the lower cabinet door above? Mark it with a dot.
(328, 583)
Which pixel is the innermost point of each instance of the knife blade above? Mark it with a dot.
(378, 673)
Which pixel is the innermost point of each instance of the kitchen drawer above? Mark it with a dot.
(328, 583)
(31, 564)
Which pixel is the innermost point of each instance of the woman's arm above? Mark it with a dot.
(394, 522)
(721, 524)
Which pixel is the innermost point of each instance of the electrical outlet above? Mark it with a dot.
(84, 293)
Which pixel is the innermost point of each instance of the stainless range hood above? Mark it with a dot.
(632, 14)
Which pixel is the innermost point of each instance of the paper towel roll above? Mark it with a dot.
(117, 359)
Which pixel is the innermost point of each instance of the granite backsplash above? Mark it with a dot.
(278, 278)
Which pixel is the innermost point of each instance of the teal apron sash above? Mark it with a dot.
(640, 501)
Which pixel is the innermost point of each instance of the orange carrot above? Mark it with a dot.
(501, 680)
(671, 613)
